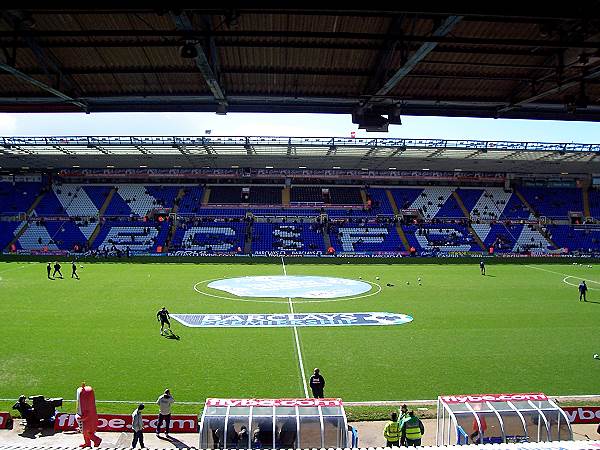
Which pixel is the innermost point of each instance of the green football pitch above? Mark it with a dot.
(520, 328)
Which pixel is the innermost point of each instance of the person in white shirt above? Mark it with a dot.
(164, 403)
(137, 425)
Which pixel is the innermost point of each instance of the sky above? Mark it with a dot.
(296, 125)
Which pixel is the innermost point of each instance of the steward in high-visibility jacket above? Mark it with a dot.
(403, 417)
(391, 432)
(412, 431)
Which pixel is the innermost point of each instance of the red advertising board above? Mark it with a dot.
(582, 414)
(300, 402)
(481, 398)
(122, 422)
(5, 421)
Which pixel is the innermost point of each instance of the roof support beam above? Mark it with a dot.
(182, 149)
(593, 74)
(61, 149)
(445, 28)
(436, 153)
(397, 152)
(93, 42)
(470, 155)
(276, 35)
(183, 23)
(48, 63)
(100, 149)
(511, 155)
(21, 76)
(384, 58)
(283, 71)
(214, 55)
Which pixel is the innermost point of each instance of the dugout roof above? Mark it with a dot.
(485, 59)
(500, 419)
(275, 423)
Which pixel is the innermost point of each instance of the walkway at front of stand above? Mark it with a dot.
(370, 435)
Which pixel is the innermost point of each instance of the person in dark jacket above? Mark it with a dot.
(317, 384)
(582, 291)
(56, 270)
(74, 270)
(49, 269)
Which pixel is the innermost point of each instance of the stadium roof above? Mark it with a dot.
(485, 59)
(278, 152)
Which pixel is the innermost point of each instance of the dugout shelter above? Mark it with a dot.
(500, 418)
(275, 423)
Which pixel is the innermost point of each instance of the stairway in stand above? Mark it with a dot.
(468, 217)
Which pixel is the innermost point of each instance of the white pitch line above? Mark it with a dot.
(576, 285)
(558, 273)
(12, 268)
(300, 363)
(567, 277)
(367, 403)
(341, 299)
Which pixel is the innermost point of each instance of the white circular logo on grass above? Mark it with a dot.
(291, 286)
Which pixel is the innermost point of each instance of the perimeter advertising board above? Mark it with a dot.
(300, 402)
(582, 414)
(122, 422)
(482, 398)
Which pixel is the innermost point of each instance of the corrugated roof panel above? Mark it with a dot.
(167, 56)
(139, 83)
(296, 58)
(123, 56)
(59, 22)
(490, 30)
(97, 84)
(286, 84)
(445, 89)
(10, 86)
(190, 84)
(78, 57)
(313, 22)
(26, 59)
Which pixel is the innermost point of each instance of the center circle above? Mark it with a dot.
(280, 286)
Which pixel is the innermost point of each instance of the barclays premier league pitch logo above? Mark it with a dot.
(291, 287)
(291, 320)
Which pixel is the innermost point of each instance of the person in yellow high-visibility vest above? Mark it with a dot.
(391, 432)
(403, 417)
(412, 431)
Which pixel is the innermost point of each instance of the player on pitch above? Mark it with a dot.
(163, 316)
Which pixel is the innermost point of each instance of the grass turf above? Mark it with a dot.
(517, 329)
